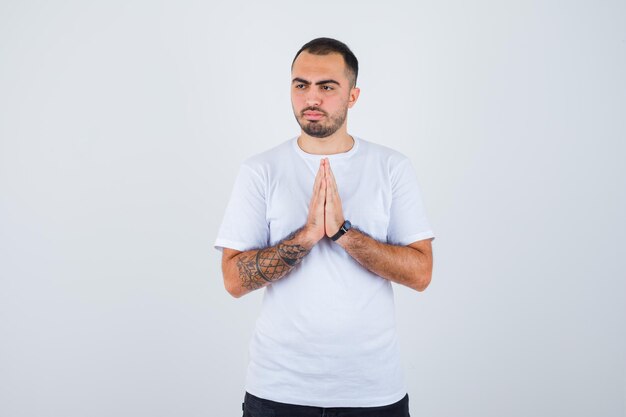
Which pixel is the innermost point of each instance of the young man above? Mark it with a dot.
(325, 221)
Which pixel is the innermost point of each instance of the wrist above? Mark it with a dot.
(343, 229)
(308, 237)
(348, 239)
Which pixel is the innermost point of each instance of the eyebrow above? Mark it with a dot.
(303, 81)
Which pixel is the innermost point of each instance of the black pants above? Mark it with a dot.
(259, 407)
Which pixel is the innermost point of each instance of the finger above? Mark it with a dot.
(322, 176)
(320, 172)
(335, 190)
(321, 189)
(329, 194)
(329, 191)
(318, 179)
(321, 193)
(332, 186)
(333, 181)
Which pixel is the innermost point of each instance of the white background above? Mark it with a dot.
(122, 127)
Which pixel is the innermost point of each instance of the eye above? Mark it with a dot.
(299, 86)
(327, 88)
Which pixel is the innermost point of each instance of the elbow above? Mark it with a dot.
(422, 280)
(422, 271)
(232, 288)
(230, 278)
(234, 293)
(422, 283)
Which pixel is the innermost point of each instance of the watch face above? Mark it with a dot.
(347, 225)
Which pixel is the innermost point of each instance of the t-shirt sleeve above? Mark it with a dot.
(244, 225)
(407, 220)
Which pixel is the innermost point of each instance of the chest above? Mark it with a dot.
(364, 189)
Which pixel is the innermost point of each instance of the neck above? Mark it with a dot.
(338, 142)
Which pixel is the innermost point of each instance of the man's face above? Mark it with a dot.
(321, 93)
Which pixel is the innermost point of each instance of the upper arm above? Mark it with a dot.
(244, 225)
(407, 215)
(424, 246)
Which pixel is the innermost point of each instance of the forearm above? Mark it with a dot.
(258, 268)
(400, 264)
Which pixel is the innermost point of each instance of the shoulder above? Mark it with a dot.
(389, 156)
(263, 162)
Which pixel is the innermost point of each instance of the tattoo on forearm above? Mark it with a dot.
(247, 273)
(270, 264)
(291, 254)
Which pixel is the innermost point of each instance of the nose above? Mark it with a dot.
(313, 97)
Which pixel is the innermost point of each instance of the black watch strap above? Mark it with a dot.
(342, 230)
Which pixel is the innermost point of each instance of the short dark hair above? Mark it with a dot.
(325, 46)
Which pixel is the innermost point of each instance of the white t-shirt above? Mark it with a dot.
(326, 335)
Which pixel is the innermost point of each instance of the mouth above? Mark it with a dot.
(313, 115)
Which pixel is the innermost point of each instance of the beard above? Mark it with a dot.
(322, 128)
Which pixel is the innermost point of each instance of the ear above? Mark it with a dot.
(354, 95)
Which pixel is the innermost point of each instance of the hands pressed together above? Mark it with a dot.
(325, 213)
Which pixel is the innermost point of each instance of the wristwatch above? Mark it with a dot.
(342, 230)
